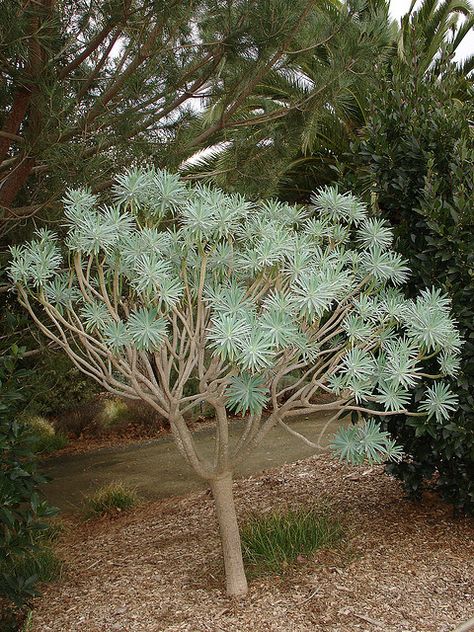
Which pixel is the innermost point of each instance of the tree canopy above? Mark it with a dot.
(257, 309)
(92, 87)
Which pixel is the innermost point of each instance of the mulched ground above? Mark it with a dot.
(402, 568)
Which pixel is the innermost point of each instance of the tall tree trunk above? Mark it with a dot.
(27, 107)
(14, 182)
(236, 582)
(15, 118)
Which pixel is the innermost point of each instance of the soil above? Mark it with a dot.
(155, 469)
(403, 567)
(140, 424)
(126, 434)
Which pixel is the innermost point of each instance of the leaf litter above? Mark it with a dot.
(403, 567)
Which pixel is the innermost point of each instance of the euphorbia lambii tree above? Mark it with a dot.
(182, 294)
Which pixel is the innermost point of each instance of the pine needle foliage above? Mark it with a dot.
(93, 87)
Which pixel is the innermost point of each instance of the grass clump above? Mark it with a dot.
(114, 412)
(109, 499)
(45, 437)
(272, 542)
(51, 444)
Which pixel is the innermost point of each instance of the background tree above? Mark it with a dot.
(414, 161)
(308, 110)
(91, 87)
(435, 31)
(315, 109)
(260, 308)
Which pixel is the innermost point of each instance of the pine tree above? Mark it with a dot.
(91, 87)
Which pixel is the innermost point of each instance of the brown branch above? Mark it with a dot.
(25, 102)
(148, 122)
(20, 212)
(8, 163)
(14, 137)
(175, 104)
(97, 41)
(15, 180)
(98, 67)
(222, 122)
(18, 111)
(90, 48)
(183, 79)
(143, 54)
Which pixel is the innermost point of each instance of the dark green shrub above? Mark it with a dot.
(22, 515)
(81, 418)
(273, 541)
(415, 162)
(141, 413)
(441, 239)
(25, 556)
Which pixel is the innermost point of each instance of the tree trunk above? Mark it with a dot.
(236, 582)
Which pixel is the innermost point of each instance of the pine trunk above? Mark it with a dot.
(236, 582)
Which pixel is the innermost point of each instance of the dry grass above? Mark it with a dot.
(404, 568)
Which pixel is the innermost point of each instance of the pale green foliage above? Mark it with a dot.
(428, 322)
(38, 261)
(392, 396)
(251, 291)
(375, 232)
(246, 393)
(439, 402)
(116, 335)
(147, 329)
(336, 206)
(95, 316)
(365, 442)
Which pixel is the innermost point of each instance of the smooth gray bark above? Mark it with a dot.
(236, 582)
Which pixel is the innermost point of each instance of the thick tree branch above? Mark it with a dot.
(250, 85)
(89, 49)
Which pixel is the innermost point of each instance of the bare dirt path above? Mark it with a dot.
(157, 470)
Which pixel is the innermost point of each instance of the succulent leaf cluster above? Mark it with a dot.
(258, 288)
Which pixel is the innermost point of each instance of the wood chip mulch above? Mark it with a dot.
(402, 568)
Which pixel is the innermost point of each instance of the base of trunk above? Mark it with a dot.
(236, 582)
